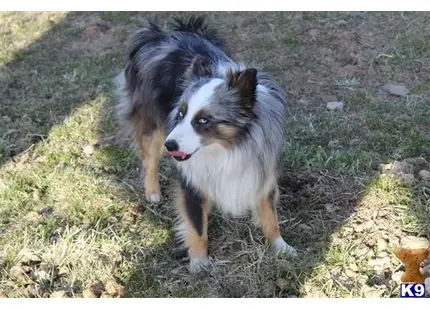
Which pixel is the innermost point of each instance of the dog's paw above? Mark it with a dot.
(281, 247)
(153, 197)
(198, 264)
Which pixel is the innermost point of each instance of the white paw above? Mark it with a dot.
(197, 264)
(281, 247)
(154, 197)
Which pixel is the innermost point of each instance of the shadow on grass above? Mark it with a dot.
(74, 63)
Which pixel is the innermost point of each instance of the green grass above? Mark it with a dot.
(70, 187)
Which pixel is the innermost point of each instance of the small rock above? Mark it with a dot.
(349, 273)
(398, 167)
(292, 296)
(63, 271)
(426, 270)
(97, 288)
(354, 141)
(379, 263)
(17, 273)
(383, 254)
(363, 252)
(33, 217)
(1, 257)
(314, 34)
(396, 276)
(407, 179)
(285, 266)
(382, 244)
(128, 219)
(59, 294)
(105, 295)
(33, 290)
(383, 213)
(269, 287)
(42, 277)
(114, 289)
(88, 294)
(6, 119)
(424, 174)
(414, 242)
(282, 283)
(88, 149)
(303, 101)
(20, 292)
(373, 293)
(29, 258)
(353, 267)
(330, 208)
(427, 283)
(112, 220)
(399, 90)
(341, 22)
(304, 227)
(333, 144)
(335, 105)
(45, 211)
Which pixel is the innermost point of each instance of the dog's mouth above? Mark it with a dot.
(180, 156)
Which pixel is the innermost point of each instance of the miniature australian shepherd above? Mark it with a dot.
(181, 95)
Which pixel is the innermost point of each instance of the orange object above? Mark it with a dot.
(411, 259)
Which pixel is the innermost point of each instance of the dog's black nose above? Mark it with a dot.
(171, 145)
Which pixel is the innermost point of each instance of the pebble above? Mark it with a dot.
(408, 179)
(88, 294)
(314, 34)
(17, 273)
(427, 283)
(333, 144)
(398, 167)
(396, 276)
(399, 90)
(59, 294)
(88, 149)
(330, 208)
(414, 242)
(97, 288)
(424, 174)
(379, 262)
(341, 22)
(282, 283)
(335, 105)
(353, 267)
(304, 227)
(29, 258)
(114, 289)
(382, 244)
(6, 119)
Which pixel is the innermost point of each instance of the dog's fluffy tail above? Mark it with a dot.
(198, 25)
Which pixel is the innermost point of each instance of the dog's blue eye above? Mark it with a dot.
(202, 120)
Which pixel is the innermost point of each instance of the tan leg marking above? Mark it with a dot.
(151, 149)
(268, 220)
(197, 244)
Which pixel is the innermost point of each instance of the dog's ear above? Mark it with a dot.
(200, 67)
(245, 83)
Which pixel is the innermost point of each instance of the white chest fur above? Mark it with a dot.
(226, 178)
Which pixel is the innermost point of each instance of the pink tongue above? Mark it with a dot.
(180, 154)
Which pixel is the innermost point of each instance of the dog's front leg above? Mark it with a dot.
(194, 208)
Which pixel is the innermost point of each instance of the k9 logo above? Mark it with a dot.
(412, 290)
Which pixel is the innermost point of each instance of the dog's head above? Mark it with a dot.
(212, 112)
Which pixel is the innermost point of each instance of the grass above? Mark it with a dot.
(71, 196)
